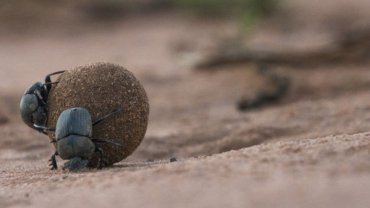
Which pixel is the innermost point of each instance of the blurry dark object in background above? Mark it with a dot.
(116, 9)
(3, 118)
(280, 86)
(351, 47)
(104, 10)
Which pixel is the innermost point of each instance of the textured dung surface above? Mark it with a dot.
(101, 88)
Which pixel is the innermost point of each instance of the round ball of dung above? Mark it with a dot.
(101, 88)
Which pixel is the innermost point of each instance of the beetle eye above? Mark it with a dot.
(29, 103)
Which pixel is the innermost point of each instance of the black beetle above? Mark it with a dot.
(33, 105)
(73, 138)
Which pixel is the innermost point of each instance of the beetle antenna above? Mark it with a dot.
(44, 128)
(50, 83)
(48, 79)
(105, 141)
(108, 115)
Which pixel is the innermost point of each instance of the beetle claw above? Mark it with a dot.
(53, 167)
(101, 159)
(53, 162)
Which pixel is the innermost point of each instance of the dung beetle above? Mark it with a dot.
(33, 105)
(73, 138)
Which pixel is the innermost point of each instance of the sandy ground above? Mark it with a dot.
(312, 149)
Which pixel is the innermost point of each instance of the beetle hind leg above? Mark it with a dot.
(107, 116)
(101, 162)
(53, 161)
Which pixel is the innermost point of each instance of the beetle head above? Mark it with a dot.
(38, 86)
(28, 105)
(32, 105)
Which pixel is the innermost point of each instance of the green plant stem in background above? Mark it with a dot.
(248, 12)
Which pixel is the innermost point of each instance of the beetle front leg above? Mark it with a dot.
(53, 161)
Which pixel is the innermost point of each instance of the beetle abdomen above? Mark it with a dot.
(75, 146)
(76, 121)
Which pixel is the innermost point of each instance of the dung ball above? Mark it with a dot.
(101, 88)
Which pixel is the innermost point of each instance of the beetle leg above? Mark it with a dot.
(106, 141)
(43, 128)
(40, 97)
(108, 115)
(100, 162)
(53, 161)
